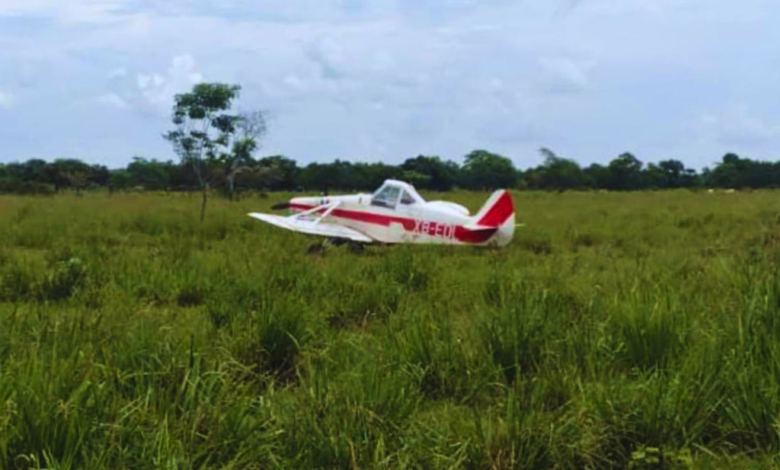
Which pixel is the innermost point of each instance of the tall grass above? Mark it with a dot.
(617, 331)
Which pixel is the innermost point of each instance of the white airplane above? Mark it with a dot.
(395, 213)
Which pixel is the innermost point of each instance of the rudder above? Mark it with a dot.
(496, 211)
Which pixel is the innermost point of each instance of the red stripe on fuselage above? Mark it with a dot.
(474, 236)
(462, 234)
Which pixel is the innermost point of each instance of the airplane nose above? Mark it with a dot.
(280, 206)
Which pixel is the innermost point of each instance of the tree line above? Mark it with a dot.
(481, 170)
(216, 149)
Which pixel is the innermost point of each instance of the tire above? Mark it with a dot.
(356, 248)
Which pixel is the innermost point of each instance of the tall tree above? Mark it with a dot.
(69, 173)
(204, 131)
(249, 128)
(286, 167)
(432, 172)
(327, 176)
(485, 170)
(656, 178)
(597, 176)
(148, 174)
(626, 172)
(558, 172)
(728, 173)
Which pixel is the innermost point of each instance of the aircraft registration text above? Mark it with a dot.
(434, 229)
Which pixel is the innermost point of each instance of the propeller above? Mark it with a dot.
(280, 206)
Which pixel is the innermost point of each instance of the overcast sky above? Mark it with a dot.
(386, 80)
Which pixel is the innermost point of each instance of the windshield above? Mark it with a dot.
(387, 197)
(407, 198)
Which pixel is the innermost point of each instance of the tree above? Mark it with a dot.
(417, 180)
(149, 174)
(441, 176)
(25, 178)
(729, 173)
(558, 173)
(327, 176)
(597, 176)
(735, 172)
(204, 131)
(318, 176)
(370, 176)
(68, 173)
(676, 175)
(249, 129)
(626, 172)
(99, 176)
(287, 169)
(119, 179)
(34, 171)
(258, 177)
(485, 170)
(656, 178)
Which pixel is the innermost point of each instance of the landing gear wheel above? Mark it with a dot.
(356, 248)
(316, 249)
(335, 241)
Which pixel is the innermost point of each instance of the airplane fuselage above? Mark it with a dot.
(396, 213)
(418, 222)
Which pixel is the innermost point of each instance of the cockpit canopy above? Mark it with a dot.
(395, 192)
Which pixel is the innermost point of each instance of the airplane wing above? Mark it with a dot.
(297, 223)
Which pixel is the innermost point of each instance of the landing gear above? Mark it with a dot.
(356, 248)
(316, 249)
(336, 241)
(320, 247)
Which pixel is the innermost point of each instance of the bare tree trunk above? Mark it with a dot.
(231, 186)
(203, 205)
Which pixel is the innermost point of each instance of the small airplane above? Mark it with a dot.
(396, 213)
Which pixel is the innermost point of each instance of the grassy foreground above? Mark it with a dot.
(617, 331)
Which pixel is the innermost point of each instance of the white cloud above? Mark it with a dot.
(64, 10)
(113, 100)
(158, 90)
(328, 54)
(146, 82)
(6, 100)
(150, 93)
(564, 75)
(23, 7)
(155, 91)
(736, 125)
(357, 78)
(118, 73)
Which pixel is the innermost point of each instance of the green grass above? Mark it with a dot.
(635, 330)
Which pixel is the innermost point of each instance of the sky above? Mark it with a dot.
(387, 80)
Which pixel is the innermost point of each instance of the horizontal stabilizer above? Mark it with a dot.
(479, 228)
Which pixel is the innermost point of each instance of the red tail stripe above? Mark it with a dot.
(499, 212)
(474, 236)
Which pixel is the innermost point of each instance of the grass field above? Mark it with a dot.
(632, 330)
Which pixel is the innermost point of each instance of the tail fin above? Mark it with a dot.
(497, 210)
(498, 213)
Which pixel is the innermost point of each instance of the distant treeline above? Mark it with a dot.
(481, 170)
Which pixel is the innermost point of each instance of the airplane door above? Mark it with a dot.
(408, 208)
